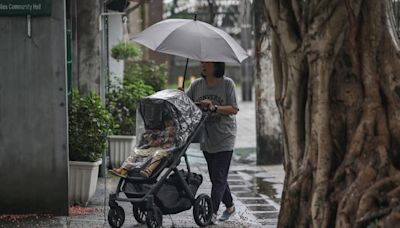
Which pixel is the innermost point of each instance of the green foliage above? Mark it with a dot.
(242, 152)
(124, 51)
(89, 125)
(152, 74)
(122, 104)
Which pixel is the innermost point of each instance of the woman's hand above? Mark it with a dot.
(206, 103)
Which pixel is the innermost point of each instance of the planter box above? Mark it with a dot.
(82, 181)
(120, 148)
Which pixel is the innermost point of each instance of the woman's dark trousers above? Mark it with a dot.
(218, 168)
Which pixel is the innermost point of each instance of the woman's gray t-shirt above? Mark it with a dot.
(220, 129)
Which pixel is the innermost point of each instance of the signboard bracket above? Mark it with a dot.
(28, 26)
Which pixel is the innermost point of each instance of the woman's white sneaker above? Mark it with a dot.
(213, 219)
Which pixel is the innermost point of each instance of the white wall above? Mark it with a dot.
(115, 34)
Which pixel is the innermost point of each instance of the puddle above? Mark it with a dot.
(254, 201)
(247, 194)
(266, 215)
(261, 208)
(267, 188)
(240, 183)
(239, 189)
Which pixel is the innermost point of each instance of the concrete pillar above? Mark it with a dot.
(268, 126)
(33, 114)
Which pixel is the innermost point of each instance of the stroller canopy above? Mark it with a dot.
(169, 113)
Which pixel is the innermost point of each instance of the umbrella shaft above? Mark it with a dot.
(184, 74)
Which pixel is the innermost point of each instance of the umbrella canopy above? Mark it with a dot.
(191, 39)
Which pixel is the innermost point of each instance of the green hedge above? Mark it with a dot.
(150, 73)
(121, 102)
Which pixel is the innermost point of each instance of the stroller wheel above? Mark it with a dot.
(202, 210)
(139, 214)
(116, 217)
(154, 218)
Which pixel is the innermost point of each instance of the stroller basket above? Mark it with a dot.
(171, 198)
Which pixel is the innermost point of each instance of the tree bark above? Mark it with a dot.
(337, 76)
(86, 45)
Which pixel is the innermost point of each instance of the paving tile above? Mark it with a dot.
(265, 215)
(254, 201)
(261, 208)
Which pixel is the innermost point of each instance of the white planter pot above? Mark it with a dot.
(82, 181)
(120, 148)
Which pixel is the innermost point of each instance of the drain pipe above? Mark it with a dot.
(103, 91)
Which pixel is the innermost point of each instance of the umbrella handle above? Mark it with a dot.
(184, 74)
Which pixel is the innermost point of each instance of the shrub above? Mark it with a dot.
(151, 73)
(121, 102)
(124, 51)
(89, 125)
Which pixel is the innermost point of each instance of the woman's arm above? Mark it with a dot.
(223, 109)
(226, 109)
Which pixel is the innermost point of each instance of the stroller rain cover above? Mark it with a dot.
(164, 121)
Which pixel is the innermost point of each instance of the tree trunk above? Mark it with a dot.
(86, 43)
(337, 76)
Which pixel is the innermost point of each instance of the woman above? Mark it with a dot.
(217, 92)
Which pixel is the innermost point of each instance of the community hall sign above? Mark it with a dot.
(25, 7)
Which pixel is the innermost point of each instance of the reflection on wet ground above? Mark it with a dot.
(259, 190)
(261, 208)
(253, 201)
(266, 188)
(258, 187)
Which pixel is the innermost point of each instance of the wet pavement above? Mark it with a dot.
(256, 190)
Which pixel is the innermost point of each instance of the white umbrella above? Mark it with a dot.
(191, 39)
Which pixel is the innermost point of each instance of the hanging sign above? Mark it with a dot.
(25, 7)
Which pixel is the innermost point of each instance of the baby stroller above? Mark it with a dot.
(167, 190)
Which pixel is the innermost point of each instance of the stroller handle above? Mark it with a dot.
(203, 109)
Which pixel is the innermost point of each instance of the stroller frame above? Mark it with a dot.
(144, 206)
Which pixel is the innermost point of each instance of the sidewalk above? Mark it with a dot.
(256, 190)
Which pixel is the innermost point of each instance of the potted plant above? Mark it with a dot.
(125, 51)
(121, 102)
(89, 125)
